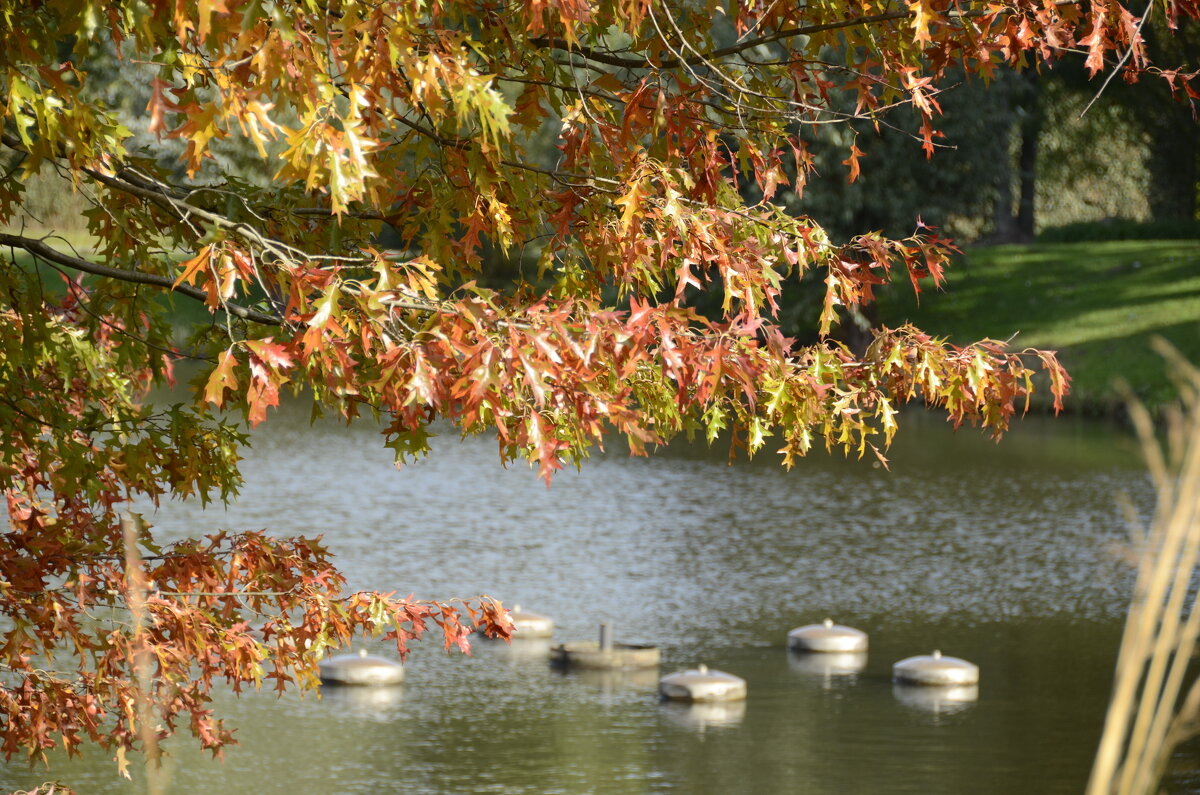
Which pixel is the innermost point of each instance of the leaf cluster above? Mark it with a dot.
(422, 116)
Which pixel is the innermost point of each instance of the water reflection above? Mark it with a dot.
(523, 650)
(375, 703)
(997, 551)
(701, 716)
(826, 665)
(938, 699)
(609, 680)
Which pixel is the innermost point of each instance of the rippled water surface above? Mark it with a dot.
(1006, 555)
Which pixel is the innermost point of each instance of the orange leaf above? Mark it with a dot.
(222, 378)
(194, 266)
(852, 161)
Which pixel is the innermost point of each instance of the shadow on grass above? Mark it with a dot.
(1097, 303)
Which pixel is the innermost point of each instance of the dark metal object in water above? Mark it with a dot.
(605, 653)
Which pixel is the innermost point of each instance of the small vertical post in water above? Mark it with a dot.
(132, 527)
(606, 636)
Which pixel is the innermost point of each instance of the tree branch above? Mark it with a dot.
(172, 199)
(600, 56)
(40, 249)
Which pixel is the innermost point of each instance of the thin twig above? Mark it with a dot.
(1121, 63)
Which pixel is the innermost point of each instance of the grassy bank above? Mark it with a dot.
(1098, 304)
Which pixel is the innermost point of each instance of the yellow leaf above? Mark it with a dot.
(326, 306)
(200, 128)
(630, 203)
(921, 18)
(259, 125)
(122, 762)
(501, 219)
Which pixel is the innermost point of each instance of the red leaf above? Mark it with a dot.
(271, 353)
(158, 104)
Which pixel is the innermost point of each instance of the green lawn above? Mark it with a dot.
(1098, 304)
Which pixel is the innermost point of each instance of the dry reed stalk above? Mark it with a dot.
(1143, 723)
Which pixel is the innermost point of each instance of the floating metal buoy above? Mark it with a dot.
(530, 625)
(934, 669)
(938, 699)
(702, 685)
(827, 637)
(826, 665)
(361, 669)
(605, 654)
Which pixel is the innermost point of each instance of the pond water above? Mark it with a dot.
(1007, 555)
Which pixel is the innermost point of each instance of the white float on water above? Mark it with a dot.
(935, 669)
(827, 637)
(702, 684)
(361, 669)
(530, 625)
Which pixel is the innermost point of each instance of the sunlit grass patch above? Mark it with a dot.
(1097, 303)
